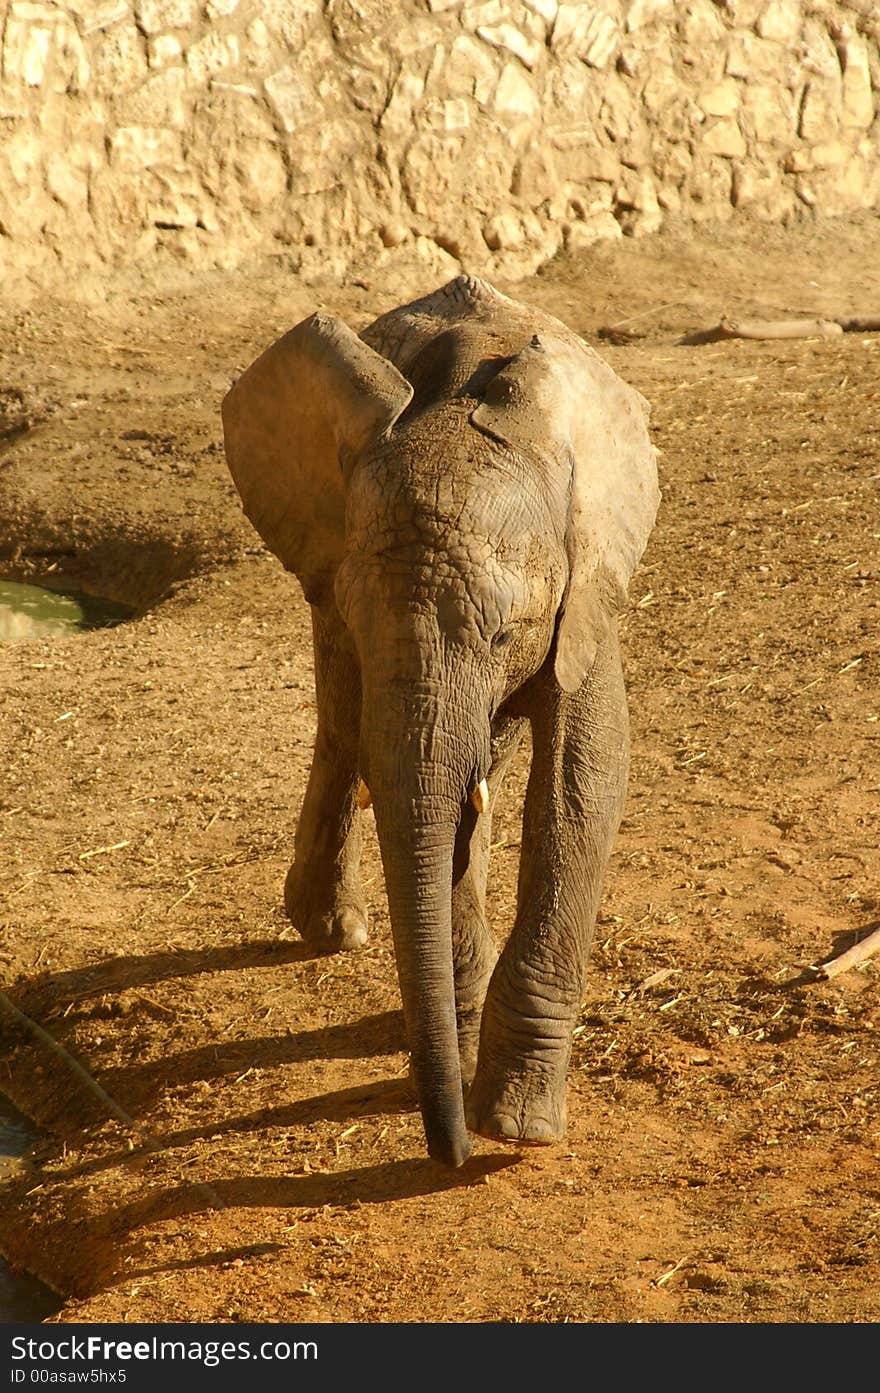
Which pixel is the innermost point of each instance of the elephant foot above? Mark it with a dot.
(334, 927)
(516, 1112)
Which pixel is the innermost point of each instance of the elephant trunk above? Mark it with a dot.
(417, 794)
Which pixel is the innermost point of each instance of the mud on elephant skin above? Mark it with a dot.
(463, 492)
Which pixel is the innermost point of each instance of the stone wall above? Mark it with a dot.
(353, 131)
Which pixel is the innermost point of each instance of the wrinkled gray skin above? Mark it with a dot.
(463, 492)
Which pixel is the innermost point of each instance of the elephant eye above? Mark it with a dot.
(503, 637)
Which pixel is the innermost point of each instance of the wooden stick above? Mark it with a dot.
(779, 328)
(859, 953)
(859, 324)
(139, 1134)
(655, 309)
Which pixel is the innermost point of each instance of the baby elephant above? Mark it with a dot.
(463, 492)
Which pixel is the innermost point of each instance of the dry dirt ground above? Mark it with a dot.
(721, 1162)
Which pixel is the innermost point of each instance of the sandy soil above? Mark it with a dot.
(721, 1160)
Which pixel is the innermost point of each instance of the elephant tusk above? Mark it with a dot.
(364, 797)
(480, 796)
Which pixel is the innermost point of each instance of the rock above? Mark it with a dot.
(583, 234)
(769, 113)
(588, 199)
(819, 117)
(805, 193)
(633, 224)
(817, 52)
(71, 70)
(486, 12)
(744, 13)
(67, 176)
(432, 170)
(709, 184)
(162, 50)
(637, 194)
(435, 260)
(507, 36)
(637, 208)
(258, 47)
(454, 114)
(722, 99)
(155, 15)
(25, 50)
(93, 15)
(723, 137)
(755, 59)
(829, 154)
(756, 187)
(584, 32)
(681, 120)
(515, 97)
(157, 102)
(858, 98)
(292, 99)
(662, 86)
(393, 232)
(410, 39)
(671, 162)
(643, 12)
(468, 70)
(139, 147)
(260, 173)
(503, 232)
(581, 158)
(547, 9)
(211, 55)
(780, 21)
(797, 161)
(535, 176)
(406, 94)
(702, 26)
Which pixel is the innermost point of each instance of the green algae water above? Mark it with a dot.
(36, 611)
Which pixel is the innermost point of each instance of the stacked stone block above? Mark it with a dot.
(494, 132)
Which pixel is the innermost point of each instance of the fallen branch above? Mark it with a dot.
(137, 1134)
(779, 328)
(816, 328)
(860, 952)
(859, 324)
(618, 333)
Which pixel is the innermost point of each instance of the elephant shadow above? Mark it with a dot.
(387, 1182)
(383, 1183)
(136, 1086)
(383, 1097)
(46, 990)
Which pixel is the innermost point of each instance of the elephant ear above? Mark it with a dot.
(558, 399)
(318, 392)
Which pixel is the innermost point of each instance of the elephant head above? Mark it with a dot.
(471, 488)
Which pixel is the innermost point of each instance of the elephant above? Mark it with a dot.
(463, 491)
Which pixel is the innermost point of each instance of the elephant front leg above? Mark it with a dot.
(474, 952)
(573, 807)
(322, 894)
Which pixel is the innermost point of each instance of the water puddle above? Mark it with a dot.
(22, 1297)
(36, 611)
